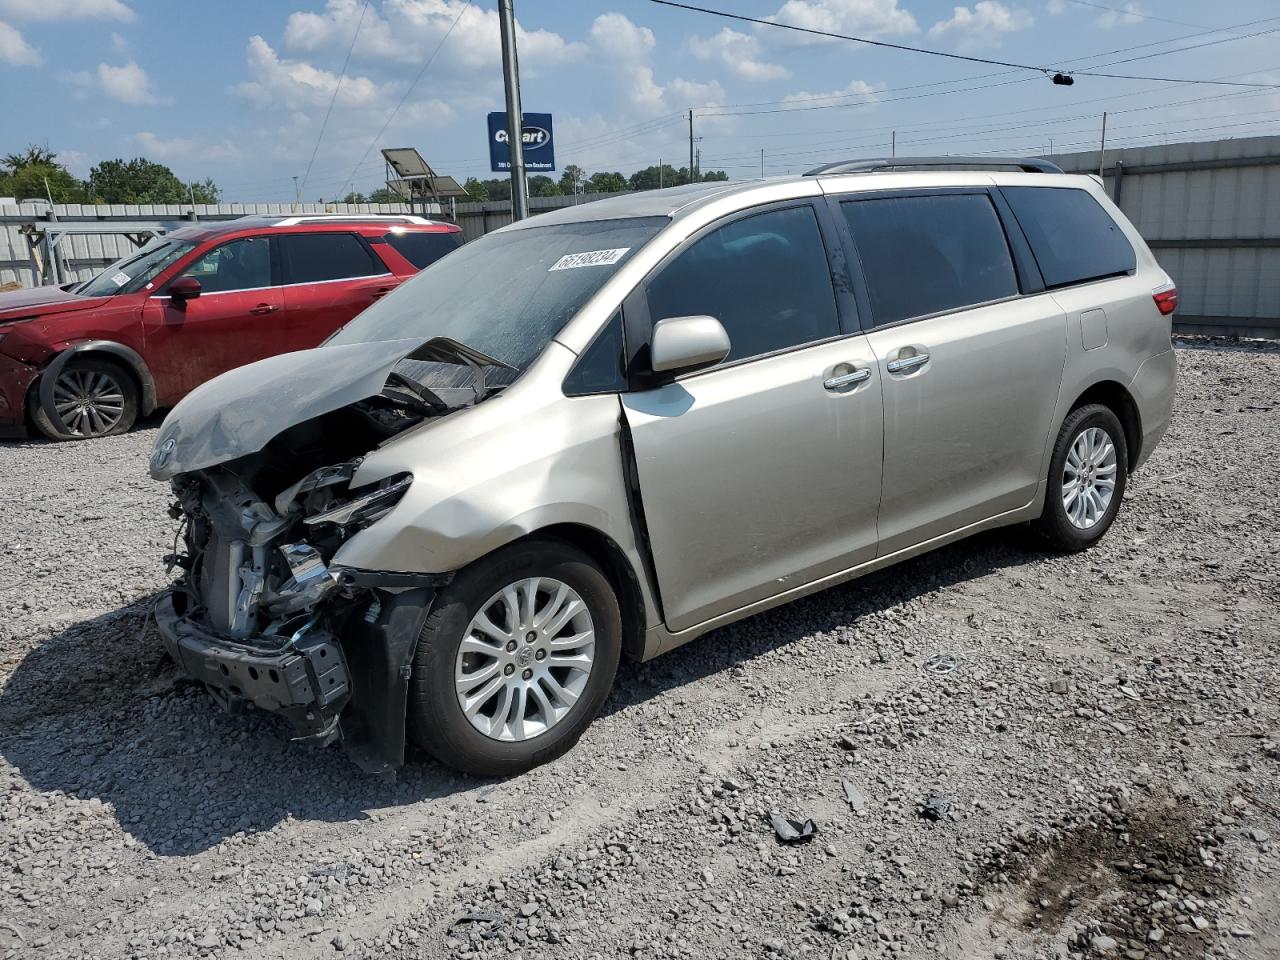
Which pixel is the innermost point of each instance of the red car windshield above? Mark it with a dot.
(132, 273)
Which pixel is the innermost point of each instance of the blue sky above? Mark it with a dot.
(237, 90)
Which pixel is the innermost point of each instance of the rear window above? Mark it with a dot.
(1074, 240)
(423, 249)
(314, 257)
(930, 254)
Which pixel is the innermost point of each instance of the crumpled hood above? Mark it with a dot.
(241, 411)
(41, 300)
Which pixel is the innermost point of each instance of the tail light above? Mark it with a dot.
(1166, 298)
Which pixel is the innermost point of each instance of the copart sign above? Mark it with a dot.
(539, 145)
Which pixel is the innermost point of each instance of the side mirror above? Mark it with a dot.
(683, 344)
(184, 289)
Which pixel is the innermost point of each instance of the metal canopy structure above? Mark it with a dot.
(415, 180)
(43, 237)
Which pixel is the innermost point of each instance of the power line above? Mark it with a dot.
(456, 20)
(334, 99)
(1132, 13)
(939, 53)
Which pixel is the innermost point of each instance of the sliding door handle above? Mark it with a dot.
(903, 364)
(847, 379)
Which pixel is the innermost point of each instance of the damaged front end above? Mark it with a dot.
(261, 615)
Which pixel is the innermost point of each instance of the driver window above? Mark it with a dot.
(239, 265)
(764, 277)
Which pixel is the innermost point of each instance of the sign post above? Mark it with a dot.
(511, 78)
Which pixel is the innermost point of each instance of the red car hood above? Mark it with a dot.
(43, 300)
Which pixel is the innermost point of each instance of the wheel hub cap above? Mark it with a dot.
(89, 402)
(1089, 477)
(525, 659)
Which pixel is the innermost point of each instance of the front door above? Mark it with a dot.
(970, 367)
(761, 474)
(237, 318)
(330, 277)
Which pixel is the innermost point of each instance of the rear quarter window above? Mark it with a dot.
(1073, 238)
(423, 249)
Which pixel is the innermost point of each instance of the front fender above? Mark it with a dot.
(127, 355)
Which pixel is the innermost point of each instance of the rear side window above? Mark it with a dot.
(1074, 240)
(766, 278)
(930, 254)
(423, 249)
(314, 257)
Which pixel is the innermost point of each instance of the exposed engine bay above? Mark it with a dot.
(261, 615)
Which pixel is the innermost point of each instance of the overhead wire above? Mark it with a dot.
(334, 99)
(934, 53)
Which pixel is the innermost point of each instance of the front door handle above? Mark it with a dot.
(264, 308)
(903, 364)
(847, 379)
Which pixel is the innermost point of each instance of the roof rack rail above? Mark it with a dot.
(294, 220)
(1025, 164)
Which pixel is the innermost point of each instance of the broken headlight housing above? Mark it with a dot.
(366, 508)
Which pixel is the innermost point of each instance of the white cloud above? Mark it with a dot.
(739, 53)
(1127, 16)
(14, 50)
(613, 35)
(409, 30)
(155, 147)
(982, 25)
(296, 84)
(859, 89)
(77, 161)
(128, 84)
(66, 10)
(860, 17)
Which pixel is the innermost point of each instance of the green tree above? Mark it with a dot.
(205, 191)
(651, 178)
(475, 190)
(713, 175)
(354, 197)
(142, 181)
(498, 188)
(573, 179)
(543, 186)
(385, 195)
(36, 174)
(604, 182)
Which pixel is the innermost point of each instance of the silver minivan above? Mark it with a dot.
(610, 428)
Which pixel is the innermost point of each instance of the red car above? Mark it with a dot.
(86, 361)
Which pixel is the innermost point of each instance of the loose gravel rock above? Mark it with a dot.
(1007, 753)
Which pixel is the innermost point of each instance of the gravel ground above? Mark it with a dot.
(1005, 753)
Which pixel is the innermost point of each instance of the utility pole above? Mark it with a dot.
(297, 194)
(691, 146)
(762, 163)
(515, 119)
(659, 173)
(1102, 145)
(893, 144)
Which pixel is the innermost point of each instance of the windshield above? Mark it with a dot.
(135, 271)
(509, 293)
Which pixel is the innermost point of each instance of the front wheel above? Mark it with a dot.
(1087, 477)
(91, 398)
(515, 660)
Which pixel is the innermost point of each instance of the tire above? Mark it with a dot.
(517, 739)
(93, 379)
(1089, 518)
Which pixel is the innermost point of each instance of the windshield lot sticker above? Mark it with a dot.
(589, 258)
(120, 279)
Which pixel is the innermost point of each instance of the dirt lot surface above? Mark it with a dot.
(1006, 753)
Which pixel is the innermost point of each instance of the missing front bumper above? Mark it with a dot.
(306, 681)
(364, 705)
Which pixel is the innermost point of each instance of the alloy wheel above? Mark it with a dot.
(525, 659)
(90, 403)
(1089, 477)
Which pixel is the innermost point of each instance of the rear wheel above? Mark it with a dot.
(515, 660)
(1087, 476)
(91, 398)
